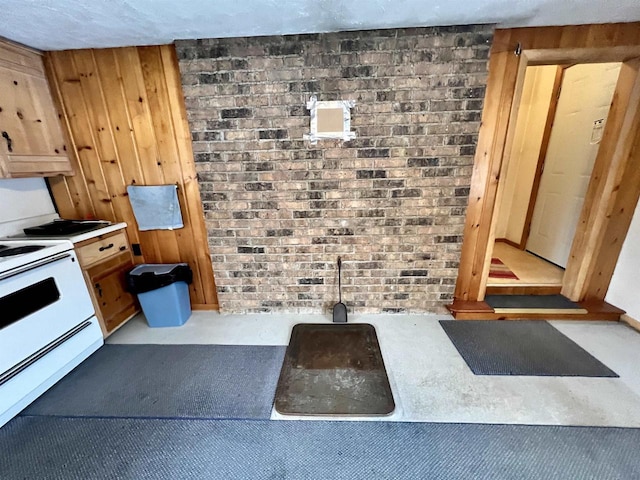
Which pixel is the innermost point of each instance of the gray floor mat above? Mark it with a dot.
(192, 381)
(533, 348)
(555, 302)
(82, 448)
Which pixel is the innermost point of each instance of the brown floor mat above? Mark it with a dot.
(333, 370)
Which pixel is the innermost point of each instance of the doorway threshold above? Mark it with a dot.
(595, 310)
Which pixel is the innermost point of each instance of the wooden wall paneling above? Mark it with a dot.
(108, 73)
(76, 111)
(167, 161)
(614, 189)
(143, 137)
(549, 45)
(125, 113)
(98, 121)
(191, 189)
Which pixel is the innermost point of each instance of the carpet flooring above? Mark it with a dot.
(81, 448)
(183, 381)
(533, 348)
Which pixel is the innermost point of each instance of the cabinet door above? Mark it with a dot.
(31, 142)
(113, 303)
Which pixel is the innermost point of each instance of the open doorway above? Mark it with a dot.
(561, 117)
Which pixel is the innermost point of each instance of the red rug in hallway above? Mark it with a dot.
(500, 270)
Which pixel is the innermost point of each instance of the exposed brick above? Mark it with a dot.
(391, 202)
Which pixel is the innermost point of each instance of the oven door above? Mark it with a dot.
(39, 303)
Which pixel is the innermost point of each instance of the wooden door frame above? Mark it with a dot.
(614, 188)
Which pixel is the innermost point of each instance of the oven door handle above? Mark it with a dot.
(34, 265)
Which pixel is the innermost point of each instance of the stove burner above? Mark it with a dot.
(9, 252)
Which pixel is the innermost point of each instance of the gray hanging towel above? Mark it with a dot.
(156, 207)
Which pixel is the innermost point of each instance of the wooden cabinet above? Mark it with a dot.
(105, 261)
(32, 143)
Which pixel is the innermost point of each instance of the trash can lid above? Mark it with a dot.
(156, 268)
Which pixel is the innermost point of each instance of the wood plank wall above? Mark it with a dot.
(125, 115)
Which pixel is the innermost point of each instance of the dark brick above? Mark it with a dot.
(462, 192)
(374, 212)
(461, 140)
(250, 249)
(264, 205)
(468, 150)
(357, 71)
(206, 136)
(325, 204)
(239, 64)
(219, 124)
(356, 45)
(272, 134)
(311, 281)
(307, 214)
(290, 48)
(447, 239)
(324, 185)
(414, 273)
(419, 221)
(324, 241)
(243, 215)
(364, 174)
(218, 77)
(258, 186)
(373, 153)
(212, 52)
(309, 195)
(423, 162)
(339, 231)
(393, 310)
(388, 184)
(299, 111)
(213, 196)
(372, 194)
(437, 172)
(236, 113)
(282, 232)
(207, 157)
(407, 192)
(258, 167)
(385, 96)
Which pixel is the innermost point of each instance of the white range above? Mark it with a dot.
(47, 321)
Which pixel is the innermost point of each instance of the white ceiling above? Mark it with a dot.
(62, 24)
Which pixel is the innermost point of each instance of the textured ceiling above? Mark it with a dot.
(62, 24)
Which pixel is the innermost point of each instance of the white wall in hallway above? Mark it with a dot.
(20, 200)
(624, 290)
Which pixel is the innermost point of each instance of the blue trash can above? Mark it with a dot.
(163, 292)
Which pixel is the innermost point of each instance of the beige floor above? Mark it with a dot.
(531, 270)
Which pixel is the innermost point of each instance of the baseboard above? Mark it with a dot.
(205, 306)
(632, 322)
(508, 242)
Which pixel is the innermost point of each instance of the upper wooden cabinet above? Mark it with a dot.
(32, 143)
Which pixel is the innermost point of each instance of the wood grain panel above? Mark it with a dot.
(548, 45)
(125, 114)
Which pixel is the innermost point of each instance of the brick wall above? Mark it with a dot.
(392, 202)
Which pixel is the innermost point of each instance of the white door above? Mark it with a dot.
(582, 110)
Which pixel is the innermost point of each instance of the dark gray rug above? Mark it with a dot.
(555, 302)
(532, 348)
(142, 449)
(192, 381)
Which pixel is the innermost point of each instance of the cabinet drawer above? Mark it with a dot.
(102, 249)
